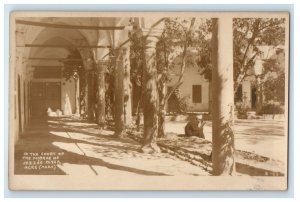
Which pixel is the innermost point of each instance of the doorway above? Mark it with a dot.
(253, 97)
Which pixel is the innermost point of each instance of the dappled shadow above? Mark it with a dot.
(85, 146)
(262, 131)
(42, 138)
(254, 171)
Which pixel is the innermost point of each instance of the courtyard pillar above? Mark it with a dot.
(101, 67)
(150, 90)
(77, 97)
(127, 86)
(91, 95)
(118, 93)
(223, 97)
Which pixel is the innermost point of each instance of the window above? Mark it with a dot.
(197, 94)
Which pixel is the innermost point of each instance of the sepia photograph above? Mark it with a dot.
(148, 100)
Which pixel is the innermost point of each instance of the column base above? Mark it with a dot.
(150, 148)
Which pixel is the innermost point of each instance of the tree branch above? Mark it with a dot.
(244, 73)
(183, 64)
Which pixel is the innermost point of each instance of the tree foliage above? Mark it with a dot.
(248, 35)
(274, 82)
(73, 66)
(74, 69)
(182, 36)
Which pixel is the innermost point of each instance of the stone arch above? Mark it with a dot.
(39, 35)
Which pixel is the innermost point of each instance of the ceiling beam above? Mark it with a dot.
(45, 66)
(66, 26)
(59, 46)
(35, 58)
(59, 59)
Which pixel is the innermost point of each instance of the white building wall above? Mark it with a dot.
(192, 77)
(246, 89)
(68, 97)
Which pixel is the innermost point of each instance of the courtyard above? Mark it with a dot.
(86, 149)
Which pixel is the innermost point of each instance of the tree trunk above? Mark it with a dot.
(101, 94)
(138, 116)
(91, 96)
(119, 97)
(127, 87)
(259, 93)
(150, 97)
(223, 104)
(164, 96)
(162, 110)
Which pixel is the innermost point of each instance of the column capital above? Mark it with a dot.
(101, 66)
(89, 63)
(150, 40)
(101, 62)
(150, 27)
(120, 52)
(151, 32)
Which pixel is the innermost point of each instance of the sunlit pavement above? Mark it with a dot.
(87, 150)
(263, 137)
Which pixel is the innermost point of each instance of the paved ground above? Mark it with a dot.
(262, 137)
(84, 151)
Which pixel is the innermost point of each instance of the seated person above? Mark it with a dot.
(192, 128)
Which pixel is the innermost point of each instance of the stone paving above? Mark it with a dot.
(261, 144)
(262, 137)
(87, 150)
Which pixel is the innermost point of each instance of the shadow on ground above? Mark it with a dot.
(40, 137)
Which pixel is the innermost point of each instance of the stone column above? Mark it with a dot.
(101, 67)
(77, 97)
(127, 86)
(223, 97)
(150, 92)
(121, 45)
(119, 94)
(123, 109)
(91, 95)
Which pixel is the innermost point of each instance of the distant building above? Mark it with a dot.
(247, 91)
(195, 90)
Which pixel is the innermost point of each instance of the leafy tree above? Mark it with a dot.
(273, 85)
(74, 69)
(274, 79)
(178, 36)
(248, 35)
(73, 66)
(274, 88)
(181, 34)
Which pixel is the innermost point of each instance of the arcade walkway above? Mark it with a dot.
(74, 147)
